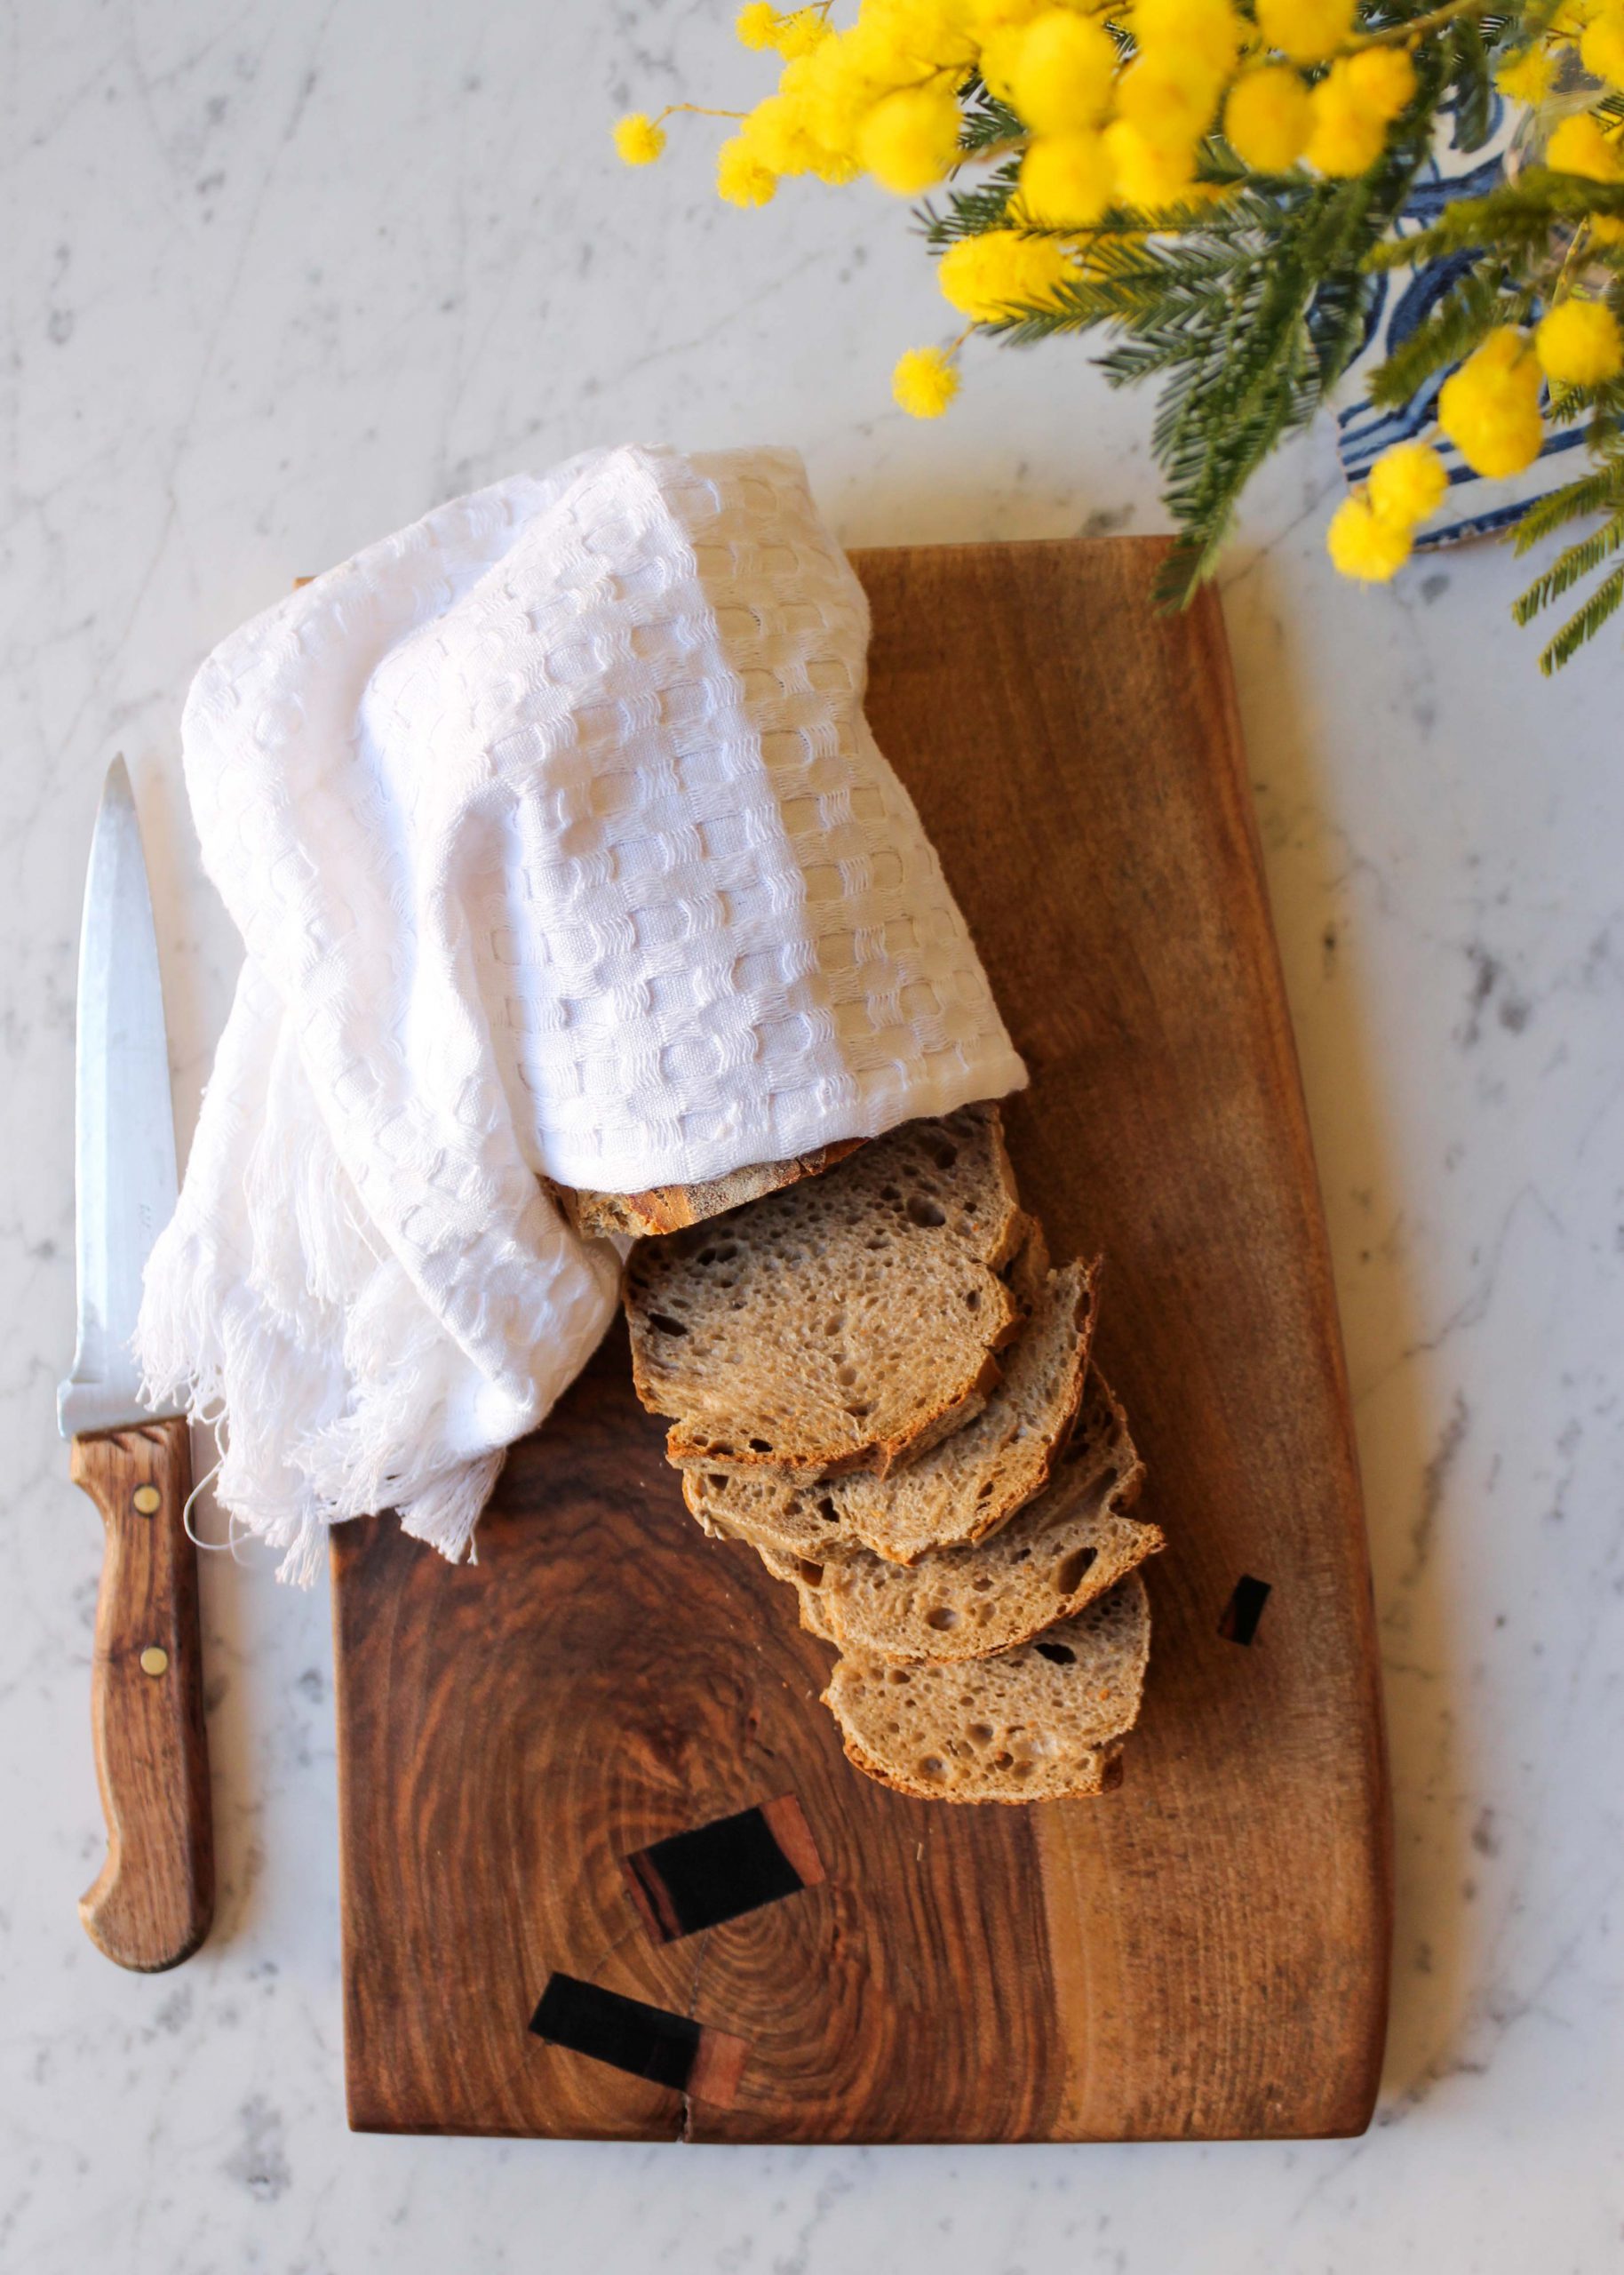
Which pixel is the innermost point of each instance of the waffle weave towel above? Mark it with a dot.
(558, 842)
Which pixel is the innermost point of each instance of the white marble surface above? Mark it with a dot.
(277, 280)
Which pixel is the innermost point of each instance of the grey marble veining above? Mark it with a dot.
(276, 281)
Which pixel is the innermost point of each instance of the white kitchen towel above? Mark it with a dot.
(558, 842)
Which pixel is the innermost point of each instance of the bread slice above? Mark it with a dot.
(672, 1208)
(1027, 1272)
(1063, 1551)
(959, 1492)
(812, 1620)
(849, 1323)
(1044, 1722)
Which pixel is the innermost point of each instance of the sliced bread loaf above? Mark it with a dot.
(670, 1208)
(1044, 1722)
(849, 1323)
(1061, 1551)
(959, 1492)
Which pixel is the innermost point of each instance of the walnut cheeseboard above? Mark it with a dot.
(606, 1872)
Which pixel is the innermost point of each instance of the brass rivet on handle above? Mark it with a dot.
(155, 1659)
(147, 1500)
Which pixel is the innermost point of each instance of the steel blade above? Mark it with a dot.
(124, 1130)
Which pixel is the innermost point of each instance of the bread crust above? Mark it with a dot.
(673, 1208)
(1101, 1773)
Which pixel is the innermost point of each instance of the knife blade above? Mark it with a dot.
(153, 1900)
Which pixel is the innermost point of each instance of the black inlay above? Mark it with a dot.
(1244, 1609)
(715, 1872)
(649, 2042)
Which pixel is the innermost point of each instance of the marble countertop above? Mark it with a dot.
(279, 280)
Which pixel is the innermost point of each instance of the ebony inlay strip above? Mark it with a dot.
(648, 2042)
(1244, 1609)
(719, 1871)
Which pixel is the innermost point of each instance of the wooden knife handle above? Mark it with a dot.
(153, 1898)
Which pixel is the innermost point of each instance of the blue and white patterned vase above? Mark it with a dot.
(1473, 506)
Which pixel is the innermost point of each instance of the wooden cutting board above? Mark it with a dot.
(1202, 1954)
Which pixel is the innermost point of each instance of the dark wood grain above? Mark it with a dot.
(1202, 1954)
(153, 1898)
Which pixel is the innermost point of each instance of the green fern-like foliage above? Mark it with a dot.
(1598, 493)
(1514, 219)
(987, 123)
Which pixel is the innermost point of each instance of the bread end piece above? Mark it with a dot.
(673, 1208)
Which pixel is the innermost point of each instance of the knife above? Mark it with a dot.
(154, 1897)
